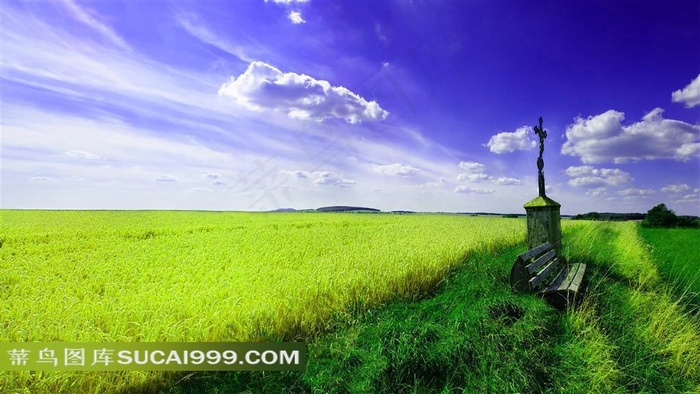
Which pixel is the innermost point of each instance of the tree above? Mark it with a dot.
(660, 216)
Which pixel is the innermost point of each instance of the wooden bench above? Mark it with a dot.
(542, 270)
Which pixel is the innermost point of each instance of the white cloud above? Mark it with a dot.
(165, 178)
(679, 188)
(218, 183)
(82, 155)
(603, 138)
(396, 169)
(597, 192)
(469, 190)
(90, 19)
(634, 192)
(327, 178)
(332, 179)
(437, 184)
(689, 199)
(507, 181)
(472, 177)
(212, 175)
(263, 86)
(295, 17)
(587, 176)
(510, 142)
(690, 95)
(472, 167)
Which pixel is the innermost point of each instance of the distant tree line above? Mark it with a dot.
(609, 216)
(659, 216)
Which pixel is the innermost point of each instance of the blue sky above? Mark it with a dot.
(398, 105)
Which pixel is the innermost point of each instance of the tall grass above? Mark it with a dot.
(647, 342)
(185, 276)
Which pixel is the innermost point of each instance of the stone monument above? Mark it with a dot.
(543, 216)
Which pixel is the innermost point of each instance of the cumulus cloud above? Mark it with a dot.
(690, 95)
(678, 188)
(326, 178)
(79, 154)
(165, 178)
(603, 138)
(470, 190)
(264, 87)
(295, 17)
(587, 176)
(396, 169)
(597, 192)
(472, 177)
(472, 167)
(507, 181)
(510, 142)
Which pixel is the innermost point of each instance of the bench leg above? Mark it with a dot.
(561, 299)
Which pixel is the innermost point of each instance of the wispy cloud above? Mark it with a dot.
(91, 19)
(325, 178)
(165, 178)
(471, 190)
(192, 24)
(82, 155)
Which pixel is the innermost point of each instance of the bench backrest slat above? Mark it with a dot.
(532, 268)
(534, 252)
(543, 274)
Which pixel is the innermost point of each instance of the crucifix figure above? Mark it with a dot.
(540, 162)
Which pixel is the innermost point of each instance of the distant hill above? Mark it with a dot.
(284, 210)
(343, 208)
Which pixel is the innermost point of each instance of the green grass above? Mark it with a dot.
(436, 314)
(472, 335)
(628, 335)
(675, 252)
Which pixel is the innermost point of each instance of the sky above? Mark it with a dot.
(395, 105)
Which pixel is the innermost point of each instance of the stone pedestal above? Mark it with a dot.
(543, 222)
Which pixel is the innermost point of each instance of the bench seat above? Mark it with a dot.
(543, 271)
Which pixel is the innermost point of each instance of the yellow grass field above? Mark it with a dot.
(121, 276)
